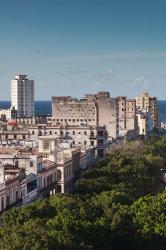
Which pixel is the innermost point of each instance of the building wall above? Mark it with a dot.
(91, 110)
(108, 113)
(122, 115)
(131, 119)
(148, 103)
(48, 178)
(9, 193)
(66, 110)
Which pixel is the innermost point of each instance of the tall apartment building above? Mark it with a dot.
(149, 104)
(127, 115)
(22, 95)
(91, 110)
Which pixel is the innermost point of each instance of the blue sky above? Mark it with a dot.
(72, 47)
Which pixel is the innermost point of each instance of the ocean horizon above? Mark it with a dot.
(41, 107)
(44, 107)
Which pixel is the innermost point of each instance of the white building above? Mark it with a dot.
(145, 123)
(22, 95)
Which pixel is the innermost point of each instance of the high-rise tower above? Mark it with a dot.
(22, 95)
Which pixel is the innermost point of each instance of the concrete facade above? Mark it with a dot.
(91, 110)
(70, 111)
(127, 115)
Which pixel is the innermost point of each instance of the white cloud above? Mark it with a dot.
(106, 76)
(121, 55)
(142, 83)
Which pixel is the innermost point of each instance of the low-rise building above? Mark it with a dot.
(145, 123)
(83, 136)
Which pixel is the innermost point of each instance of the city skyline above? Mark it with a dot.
(70, 48)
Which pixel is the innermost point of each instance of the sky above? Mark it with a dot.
(73, 47)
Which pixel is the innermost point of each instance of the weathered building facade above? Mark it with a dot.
(92, 110)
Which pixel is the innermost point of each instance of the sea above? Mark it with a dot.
(45, 108)
(41, 107)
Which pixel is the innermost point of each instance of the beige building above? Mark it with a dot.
(127, 115)
(70, 111)
(108, 113)
(69, 160)
(68, 168)
(47, 178)
(91, 110)
(131, 118)
(148, 103)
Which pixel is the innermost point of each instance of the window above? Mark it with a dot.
(85, 133)
(85, 143)
(31, 164)
(46, 144)
(73, 132)
(59, 175)
(100, 133)
(92, 134)
(2, 203)
(40, 133)
(16, 163)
